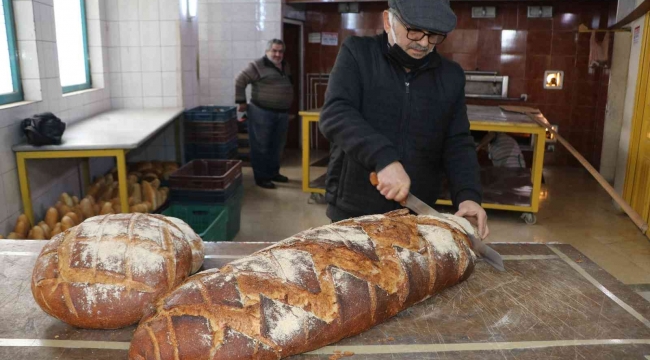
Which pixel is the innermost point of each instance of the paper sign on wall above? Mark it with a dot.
(314, 38)
(637, 34)
(330, 39)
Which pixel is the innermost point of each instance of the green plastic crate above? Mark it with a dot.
(209, 221)
(234, 205)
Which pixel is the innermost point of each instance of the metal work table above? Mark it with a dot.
(552, 302)
(109, 134)
(505, 189)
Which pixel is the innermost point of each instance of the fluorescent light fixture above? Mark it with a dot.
(191, 8)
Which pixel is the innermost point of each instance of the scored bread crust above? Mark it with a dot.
(308, 291)
(195, 241)
(104, 273)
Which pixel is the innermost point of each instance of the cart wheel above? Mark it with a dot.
(529, 218)
(316, 198)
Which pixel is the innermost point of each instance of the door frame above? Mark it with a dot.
(641, 102)
(302, 57)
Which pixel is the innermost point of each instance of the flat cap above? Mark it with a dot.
(430, 15)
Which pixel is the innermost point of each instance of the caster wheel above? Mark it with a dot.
(529, 218)
(316, 198)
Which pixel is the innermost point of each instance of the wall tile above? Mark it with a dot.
(11, 192)
(169, 9)
(128, 10)
(489, 42)
(113, 33)
(116, 85)
(244, 12)
(148, 9)
(169, 58)
(221, 50)
(24, 20)
(152, 84)
(131, 59)
(169, 33)
(130, 33)
(513, 65)
(219, 31)
(114, 60)
(244, 49)
(133, 103)
(112, 10)
(151, 59)
(132, 85)
(536, 65)
(150, 33)
(170, 101)
(538, 42)
(28, 59)
(513, 41)
(153, 102)
(3, 205)
(169, 84)
(222, 12)
(564, 43)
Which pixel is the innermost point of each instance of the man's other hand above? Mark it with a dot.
(394, 183)
(475, 214)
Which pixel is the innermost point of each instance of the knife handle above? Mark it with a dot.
(374, 180)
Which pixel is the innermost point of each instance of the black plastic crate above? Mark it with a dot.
(209, 137)
(205, 175)
(205, 196)
(211, 113)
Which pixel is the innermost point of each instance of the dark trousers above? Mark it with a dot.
(267, 133)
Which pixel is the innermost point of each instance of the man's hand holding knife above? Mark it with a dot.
(395, 184)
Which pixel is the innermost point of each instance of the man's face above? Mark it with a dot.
(276, 54)
(416, 49)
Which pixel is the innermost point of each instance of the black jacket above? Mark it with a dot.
(376, 113)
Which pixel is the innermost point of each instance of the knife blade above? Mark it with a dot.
(421, 208)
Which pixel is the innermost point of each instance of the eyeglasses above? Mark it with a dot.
(417, 34)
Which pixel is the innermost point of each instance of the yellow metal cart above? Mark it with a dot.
(526, 191)
(110, 134)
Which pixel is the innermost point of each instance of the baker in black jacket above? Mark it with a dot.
(395, 106)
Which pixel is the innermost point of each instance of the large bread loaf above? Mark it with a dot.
(195, 241)
(310, 290)
(105, 272)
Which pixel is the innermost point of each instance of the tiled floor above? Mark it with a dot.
(576, 211)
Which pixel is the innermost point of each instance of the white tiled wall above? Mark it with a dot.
(144, 40)
(40, 76)
(189, 41)
(232, 33)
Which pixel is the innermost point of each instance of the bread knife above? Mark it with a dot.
(421, 208)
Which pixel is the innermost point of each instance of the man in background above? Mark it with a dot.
(503, 149)
(267, 112)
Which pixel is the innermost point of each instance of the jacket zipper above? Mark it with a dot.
(405, 119)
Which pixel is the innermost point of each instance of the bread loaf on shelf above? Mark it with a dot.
(104, 273)
(308, 291)
(51, 217)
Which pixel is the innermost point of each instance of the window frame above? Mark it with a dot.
(84, 34)
(14, 62)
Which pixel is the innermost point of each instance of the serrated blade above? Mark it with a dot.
(487, 253)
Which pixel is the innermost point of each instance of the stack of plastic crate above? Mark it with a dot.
(208, 194)
(210, 133)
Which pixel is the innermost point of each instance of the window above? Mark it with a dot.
(72, 44)
(10, 86)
